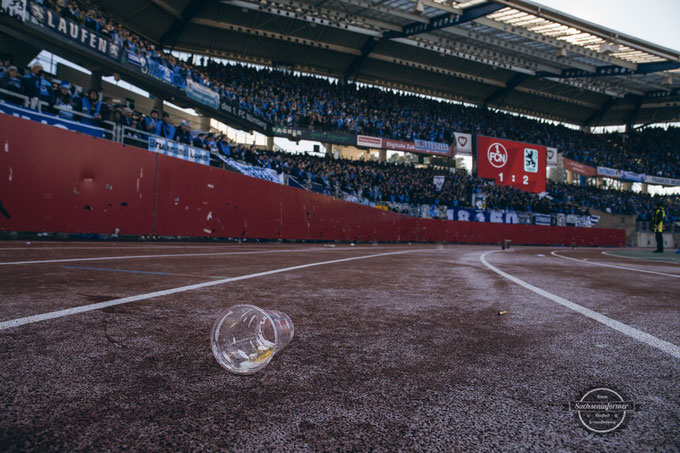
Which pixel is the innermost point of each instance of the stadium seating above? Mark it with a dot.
(304, 101)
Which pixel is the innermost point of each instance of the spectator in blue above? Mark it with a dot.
(167, 129)
(199, 141)
(223, 146)
(36, 86)
(152, 124)
(183, 133)
(11, 81)
(63, 101)
(210, 143)
(92, 106)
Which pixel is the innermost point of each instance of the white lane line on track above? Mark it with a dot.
(614, 266)
(115, 246)
(131, 257)
(84, 308)
(648, 260)
(625, 329)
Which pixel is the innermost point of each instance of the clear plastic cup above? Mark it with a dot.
(245, 337)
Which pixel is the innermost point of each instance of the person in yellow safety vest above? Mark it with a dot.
(657, 221)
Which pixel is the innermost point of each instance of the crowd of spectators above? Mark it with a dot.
(368, 180)
(288, 99)
(401, 183)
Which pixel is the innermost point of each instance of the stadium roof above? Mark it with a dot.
(510, 54)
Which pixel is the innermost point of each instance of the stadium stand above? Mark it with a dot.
(310, 102)
(294, 100)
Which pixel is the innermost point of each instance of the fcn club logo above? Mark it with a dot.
(497, 155)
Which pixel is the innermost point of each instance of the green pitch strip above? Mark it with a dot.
(669, 255)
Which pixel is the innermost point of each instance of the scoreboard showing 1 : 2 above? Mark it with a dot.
(510, 163)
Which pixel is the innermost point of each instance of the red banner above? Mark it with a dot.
(578, 167)
(509, 163)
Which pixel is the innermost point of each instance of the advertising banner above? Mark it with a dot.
(510, 163)
(52, 120)
(369, 142)
(608, 172)
(340, 138)
(14, 8)
(432, 147)
(462, 145)
(660, 180)
(551, 156)
(418, 146)
(202, 94)
(75, 32)
(399, 145)
(578, 167)
(179, 150)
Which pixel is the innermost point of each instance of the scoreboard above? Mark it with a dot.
(510, 163)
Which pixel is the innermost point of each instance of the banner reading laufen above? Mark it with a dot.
(509, 163)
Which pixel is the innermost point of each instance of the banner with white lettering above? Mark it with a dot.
(14, 8)
(463, 144)
(202, 94)
(661, 180)
(542, 219)
(432, 147)
(478, 215)
(608, 172)
(369, 142)
(134, 59)
(52, 120)
(75, 32)
(179, 150)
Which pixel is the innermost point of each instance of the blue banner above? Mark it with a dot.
(162, 73)
(134, 59)
(630, 176)
(432, 147)
(202, 94)
(51, 120)
(609, 172)
(75, 32)
(542, 219)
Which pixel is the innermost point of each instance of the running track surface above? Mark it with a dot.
(105, 347)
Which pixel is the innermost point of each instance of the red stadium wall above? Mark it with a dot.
(59, 181)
